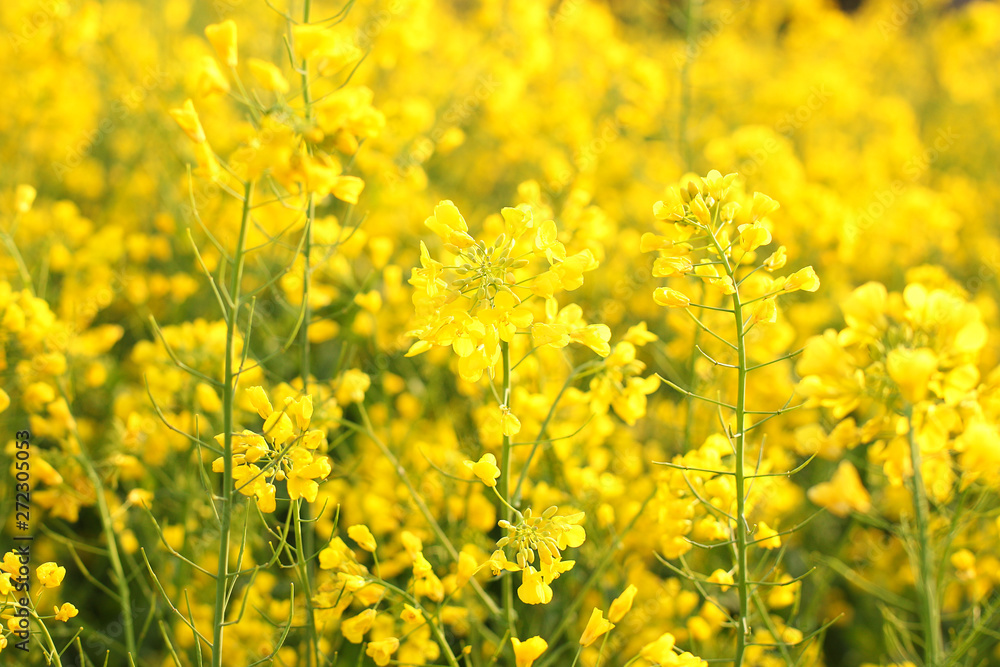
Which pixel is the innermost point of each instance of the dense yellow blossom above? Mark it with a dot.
(305, 308)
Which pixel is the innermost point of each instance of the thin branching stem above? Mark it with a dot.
(228, 409)
(505, 488)
(927, 598)
(739, 446)
(368, 430)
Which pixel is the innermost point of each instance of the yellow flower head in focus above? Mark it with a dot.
(66, 612)
(381, 651)
(596, 627)
(355, 628)
(485, 469)
(541, 540)
(478, 301)
(534, 589)
(711, 229)
(50, 575)
(622, 604)
(526, 652)
(363, 536)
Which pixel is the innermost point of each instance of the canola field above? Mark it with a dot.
(475, 333)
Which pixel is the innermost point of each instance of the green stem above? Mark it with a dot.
(504, 502)
(228, 399)
(575, 374)
(429, 618)
(107, 526)
(743, 631)
(306, 99)
(418, 500)
(930, 614)
(693, 20)
(22, 268)
(54, 654)
(304, 532)
(739, 445)
(505, 473)
(116, 562)
(569, 614)
(305, 535)
(541, 434)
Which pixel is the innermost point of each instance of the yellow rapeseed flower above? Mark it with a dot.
(187, 118)
(526, 652)
(381, 651)
(622, 604)
(355, 628)
(223, 39)
(596, 626)
(363, 536)
(50, 575)
(66, 612)
(485, 469)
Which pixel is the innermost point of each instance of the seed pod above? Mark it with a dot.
(550, 512)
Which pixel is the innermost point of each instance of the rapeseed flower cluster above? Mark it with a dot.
(309, 309)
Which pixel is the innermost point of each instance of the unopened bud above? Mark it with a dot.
(693, 190)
